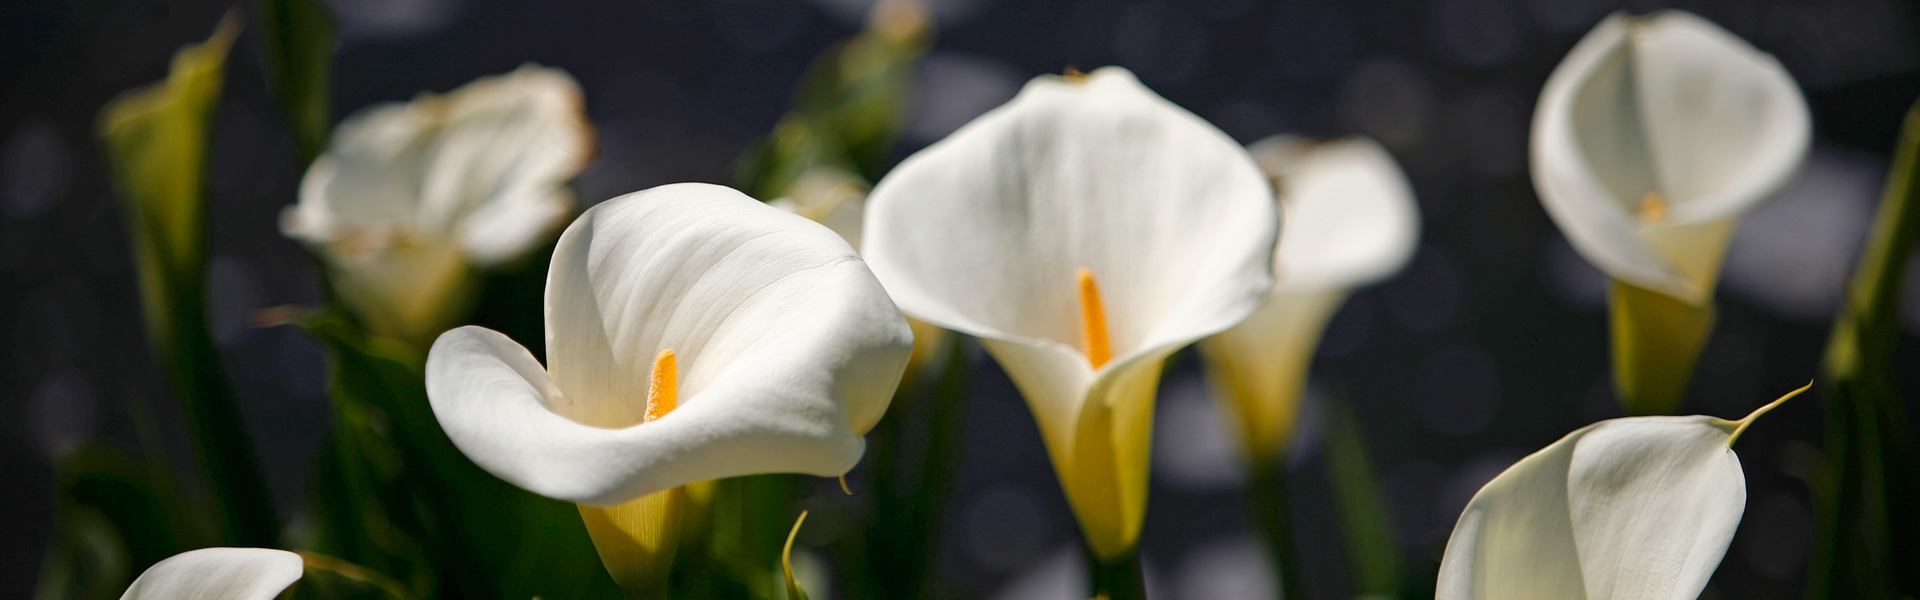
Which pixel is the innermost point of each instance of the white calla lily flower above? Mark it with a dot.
(1083, 232)
(693, 333)
(1653, 136)
(1350, 221)
(837, 199)
(1638, 508)
(409, 198)
(1651, 139)
(219, 574)
(829, 196)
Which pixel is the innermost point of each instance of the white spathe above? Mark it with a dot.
(1350, 221)
(410, 197)
(788, 351)
(219, 574)
(1639, 508)
(985, 231)
(1350, 215)
(1654, 136)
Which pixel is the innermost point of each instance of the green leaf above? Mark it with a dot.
(297, 36)
(358, 475)
(1869, 537)
(1365, 520)
(139, 500)
(329, 578)
(487, 538)
(117, 516)
(156, 143)
(87, 561)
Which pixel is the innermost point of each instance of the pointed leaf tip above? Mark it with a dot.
(1742, 424)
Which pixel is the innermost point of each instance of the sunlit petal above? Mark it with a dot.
(218, 574)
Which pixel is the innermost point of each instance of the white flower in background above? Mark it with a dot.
(219, 574)
(693, 333)
(409, 198)
(1651, 139)
(829, 196)
(837, 199)
(1639, 508)
(1084, 232)
(1350, 221)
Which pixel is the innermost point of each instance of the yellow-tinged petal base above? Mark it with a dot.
(1657, 339)
(412, 291)
(1105, 472)
(637, 540)
(1259, 369)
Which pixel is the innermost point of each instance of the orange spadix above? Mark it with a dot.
(1093, 321)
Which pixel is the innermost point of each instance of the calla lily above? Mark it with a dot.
(829, 196)
(409, 198)
(1652, 138)
(1627, 509)
(837, 199)
(258, 574)
(692, 334)
(1084, 232)
(219, 574)
(1350, 221)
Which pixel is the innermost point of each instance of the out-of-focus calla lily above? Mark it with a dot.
(1350, 221)
(410, 198)
(837, 199)
(218, 574)
(1638, 508)
(1084, 231)
(829, 196)
(1652, 138)
(693, 333)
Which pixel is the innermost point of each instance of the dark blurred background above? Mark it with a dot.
(1491, 344)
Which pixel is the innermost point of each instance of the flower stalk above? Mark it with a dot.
(1269, 505)
(1117, 577)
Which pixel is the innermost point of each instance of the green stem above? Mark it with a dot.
(1268, 506)
(916, 453)
(1867, 542)
(1366, 524)
(1118, 578)
(221, 446)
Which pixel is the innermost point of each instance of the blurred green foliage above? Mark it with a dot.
(156, 142)
(483, 537)
(297, 39)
